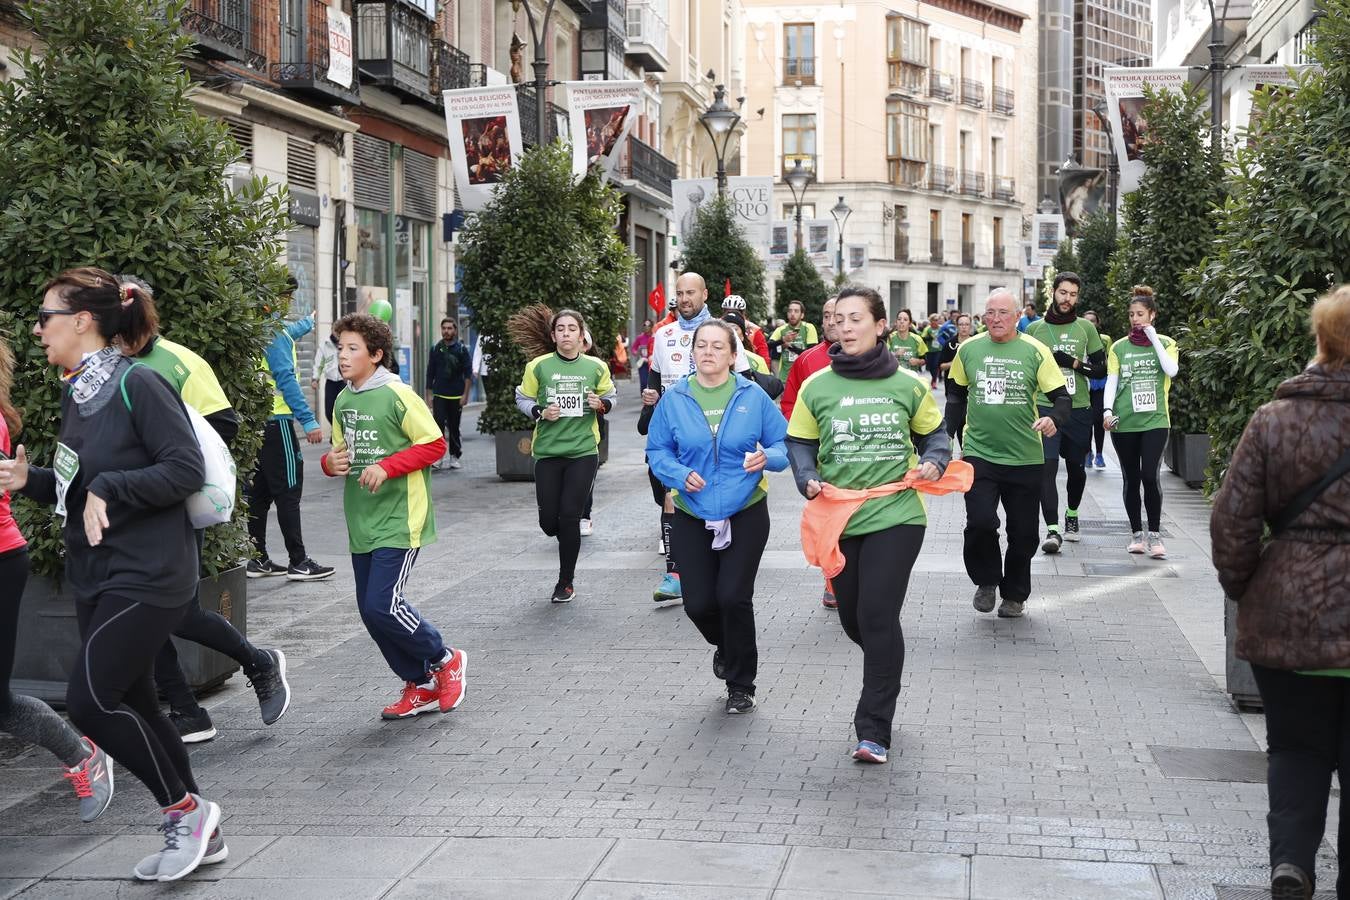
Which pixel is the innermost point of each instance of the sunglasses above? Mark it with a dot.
(45, 315)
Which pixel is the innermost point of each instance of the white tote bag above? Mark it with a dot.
(214, 503)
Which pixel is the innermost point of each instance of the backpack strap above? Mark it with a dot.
(1294, 508)
(123, 384)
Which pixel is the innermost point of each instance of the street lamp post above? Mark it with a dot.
(1113, 168)
(797, 180)
(538, 34)
(720, 120)
(1216, 69)
(841, 212)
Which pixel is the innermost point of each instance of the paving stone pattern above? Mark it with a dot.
(591, 756)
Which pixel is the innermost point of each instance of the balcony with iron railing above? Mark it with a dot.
(972, 184)
(555, 122)
(799, 70)
(935, 251)
(648, 34)
(941, 85)
(228, 29)
(304, 62)
(449, 68)
(478, 74)
(941, 178)
(393, 48)
(1000, 258)
(790, 162)
(972, 93)
(968, 254)
(1003, 101)
(644, 164)
(1005, 189)
(901, 246)
(906, 172)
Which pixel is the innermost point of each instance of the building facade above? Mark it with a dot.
(920, 117)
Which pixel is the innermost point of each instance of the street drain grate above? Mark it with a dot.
(1233, 892)
(1126, 569)
(1247, 766)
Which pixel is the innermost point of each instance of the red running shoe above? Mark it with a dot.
(413, 701)
(450, 680)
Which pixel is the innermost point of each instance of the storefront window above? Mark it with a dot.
(370, 248)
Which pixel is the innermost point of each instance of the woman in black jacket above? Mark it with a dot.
(125, 462)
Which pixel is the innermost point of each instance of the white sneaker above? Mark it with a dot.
(455, 463)
(586, 528)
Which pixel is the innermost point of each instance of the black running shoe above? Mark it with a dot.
(563, 593)
(739, 702)
(274, 692)
(1053, 541)
(308, 570)
(263, 568)
(719, 666)
(193, 727)
(1071, 528)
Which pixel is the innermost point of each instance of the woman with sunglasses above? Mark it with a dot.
(125, 462)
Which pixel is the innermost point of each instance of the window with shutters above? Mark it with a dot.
(242, 132)
(301, 169)
(371, 170)
(799, 53)
(419, 185)
(907, 142)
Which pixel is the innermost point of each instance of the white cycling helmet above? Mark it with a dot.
(733, 302)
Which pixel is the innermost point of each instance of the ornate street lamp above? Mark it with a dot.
(841, 212)
(538, 35)
(797, 178)
(720, 121)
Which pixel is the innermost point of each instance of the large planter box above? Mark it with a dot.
(49, 637)
(1241, 683)
(514, 462)
(1187, 455)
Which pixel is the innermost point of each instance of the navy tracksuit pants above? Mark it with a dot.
(410, 644)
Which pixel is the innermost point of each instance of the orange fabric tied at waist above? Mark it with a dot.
(825, 517)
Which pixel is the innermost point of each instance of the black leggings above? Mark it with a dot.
(561, 486)
(1098, 398)
(1140, 455)
(111, 694)
(871, 591)
(719, 586)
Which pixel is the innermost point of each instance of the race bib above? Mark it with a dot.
(995, 391)
(66, 465)
(1070, 381)
(570, 403)
(1145, 399)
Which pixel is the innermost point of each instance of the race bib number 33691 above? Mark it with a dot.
(570, 405)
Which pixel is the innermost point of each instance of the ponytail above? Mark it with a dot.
(124, 310)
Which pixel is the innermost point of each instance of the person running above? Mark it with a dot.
(759, 367)
(125, 463)
(859, 425)
(909, 349)
(385, 441)
(964, 332)
(85, 766)
(793, 338)
(1140, 369)
(1078, 351)
(280, 474)
(449, 378)
(932, 337)
(710, 439)
(752, 338)
(326, 380)
(995, 378)
(642, 352)
(1097, 393)
(564, 393)
(196, 383)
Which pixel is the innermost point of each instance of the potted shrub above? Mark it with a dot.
(543, 238)
(131, 178)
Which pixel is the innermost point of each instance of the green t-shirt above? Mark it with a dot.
(191, 376)
(374, 425)
(713, 402)
(906, 348)
(795, 339)
(1079, 339)
(1142, 386)
(1003, 381)
(864, 427)
(551, 379)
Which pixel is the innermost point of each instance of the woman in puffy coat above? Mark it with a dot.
(1294, 594)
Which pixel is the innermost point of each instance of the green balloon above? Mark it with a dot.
(382, 310)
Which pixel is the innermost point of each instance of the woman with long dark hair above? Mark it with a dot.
(125, 463)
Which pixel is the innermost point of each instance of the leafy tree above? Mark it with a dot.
(1169, 224)
(803, 283)
(542, 237)
(1096, 243)
(717, 249)
(104, 161)
(1066, 259)
(1283, 239)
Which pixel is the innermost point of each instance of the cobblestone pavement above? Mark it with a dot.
(591, 757)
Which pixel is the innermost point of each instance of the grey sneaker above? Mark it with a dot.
(216, 852)
(93, 782)
(739, 702)
(1071, 528)
(274, 692)
(186, 838)
(1010, 609)
(1052, 542)
(984, 599)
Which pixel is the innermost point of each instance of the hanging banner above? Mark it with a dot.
(780, 242)
(600, 115)
(1125, 107)
(855, 258)
(483, 125)
(1256, 78)
(1048, 233)
(753, 197)
(819, 237)
(339, 47)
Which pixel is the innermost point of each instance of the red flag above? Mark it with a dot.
(657, 299)
(728, 289)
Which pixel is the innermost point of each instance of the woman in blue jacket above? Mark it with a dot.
(711, 436)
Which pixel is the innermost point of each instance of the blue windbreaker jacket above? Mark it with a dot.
(679, 441)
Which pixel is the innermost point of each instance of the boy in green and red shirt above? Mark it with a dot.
(384, 442)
